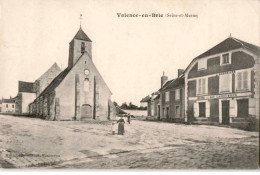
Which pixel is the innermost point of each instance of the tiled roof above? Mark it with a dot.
(81, 35)
(55, 82)
(26, 87)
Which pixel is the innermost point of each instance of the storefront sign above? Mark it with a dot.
(231, 95)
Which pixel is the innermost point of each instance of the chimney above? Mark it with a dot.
(163, 79)
(180, 71)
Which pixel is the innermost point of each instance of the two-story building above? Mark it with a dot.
(7, 105)
(222, 84)
(172, 99)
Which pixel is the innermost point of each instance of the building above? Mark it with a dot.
(7, 105)
(172, 100)
(167, 103)
(222, 84)
(28, 91)
(77, 93)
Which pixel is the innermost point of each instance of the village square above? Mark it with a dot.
(66, 119)
(199, 111)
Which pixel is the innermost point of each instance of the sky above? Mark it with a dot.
(131, 53)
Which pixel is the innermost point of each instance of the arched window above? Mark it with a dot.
(86, 85)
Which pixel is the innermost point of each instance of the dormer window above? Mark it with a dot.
(202, 64)
(82, 47)
(225, 59)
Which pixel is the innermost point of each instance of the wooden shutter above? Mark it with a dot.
(207, 109)
(196, 109)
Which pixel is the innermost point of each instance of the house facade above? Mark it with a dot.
(77, 93)
(7, 105)
(222, 84)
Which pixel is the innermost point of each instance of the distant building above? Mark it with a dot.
(222, 84)
(7, 105)
(77, 93)
(28, 91)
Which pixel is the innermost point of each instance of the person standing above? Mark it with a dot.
(129, 118)
(121, 127)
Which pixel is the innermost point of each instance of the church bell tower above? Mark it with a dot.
(80, 44)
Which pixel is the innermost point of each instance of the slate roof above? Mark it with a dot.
(55, 82)
(26, 87)
(81, 35)
(228, 44)
(146, 99)
(174, 83)
(166, 84)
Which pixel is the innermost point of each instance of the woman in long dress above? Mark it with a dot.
(121, 127)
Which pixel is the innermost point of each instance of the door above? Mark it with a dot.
(202, 109)
(167, 113)
(159, 113)
(242, 108)
(225, 112)
(86, 111)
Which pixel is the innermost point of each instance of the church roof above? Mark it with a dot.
(52, 68)
(55, 82)
(81, 35)
(26, 87)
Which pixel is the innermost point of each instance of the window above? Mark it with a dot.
(12, 106)
(225, 83)
(7, 105)
(202, 86)
(152, 110)
(167, 96)
(177, 111)
(225, 59)
(82, 47)
(86, 85)
(202, 64)
(177, 94)
(243, 80)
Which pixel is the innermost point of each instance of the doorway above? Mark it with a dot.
(159, 111)
(225, 112)
(86, 111)
(242, 108)
(202, 109)
(167, 113)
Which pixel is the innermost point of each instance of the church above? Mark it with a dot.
(79, 92)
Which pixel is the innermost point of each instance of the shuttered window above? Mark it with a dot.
(177, 94)
(225, 83)
(167, 96)
(243, 80)
(202, 86)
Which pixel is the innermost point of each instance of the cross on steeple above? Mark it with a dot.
(80, 19)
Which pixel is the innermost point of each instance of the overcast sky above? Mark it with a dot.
(130, 53)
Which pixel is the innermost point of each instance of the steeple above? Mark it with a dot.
(80, 44)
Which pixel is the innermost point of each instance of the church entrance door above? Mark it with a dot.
(86, 111)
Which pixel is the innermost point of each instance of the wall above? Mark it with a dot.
(10, 107)
(27, 98)
(65, 92)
